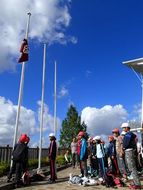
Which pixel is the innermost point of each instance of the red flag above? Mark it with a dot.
(24, 51)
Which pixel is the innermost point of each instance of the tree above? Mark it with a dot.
(71, 126)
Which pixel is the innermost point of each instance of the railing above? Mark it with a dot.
(5, 153)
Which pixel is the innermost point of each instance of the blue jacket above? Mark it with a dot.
(83, 150)
(111, 149)
(129, 140)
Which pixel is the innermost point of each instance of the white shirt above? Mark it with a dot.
(99, 151)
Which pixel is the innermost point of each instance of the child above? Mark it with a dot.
(74, 152)
(52, 157)
(112, 155)
(20, 159)
(94, 160)
(78, 153)
(83, 153)
(100, 153)
(120, 153)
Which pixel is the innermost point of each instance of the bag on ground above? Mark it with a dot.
(26, 178)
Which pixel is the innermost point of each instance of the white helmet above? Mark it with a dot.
(51, 135)
(97, 138)
(125, 125)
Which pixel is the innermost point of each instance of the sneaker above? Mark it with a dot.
(124, 180)
(85, 178)
(18, 186)
(51, 181)
(130, 177)
(100, 179)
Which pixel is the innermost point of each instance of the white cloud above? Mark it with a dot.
(7, 121)
(136, 113)
(102, 121)
(48, 126)
(28, 123)
(49, 20)
(63, 92)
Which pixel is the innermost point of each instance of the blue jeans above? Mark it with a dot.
(102, 166)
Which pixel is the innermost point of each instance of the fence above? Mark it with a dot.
(5, 153)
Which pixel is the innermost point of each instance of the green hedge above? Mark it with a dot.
(34, 163)
(60, 160)
(4, 167)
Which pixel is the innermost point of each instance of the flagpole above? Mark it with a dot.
(55, 101)
(55, 108)
(21, 88)
(42, 107)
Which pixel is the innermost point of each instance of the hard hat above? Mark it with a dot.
(24, 138)
(51, 135)
(97, 138)
(116, 130)
(111, 137)
(125, 125)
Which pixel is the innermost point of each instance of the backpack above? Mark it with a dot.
(37, 177)
(109, 180)
(119, 182)
(18, 152)
(26, 178)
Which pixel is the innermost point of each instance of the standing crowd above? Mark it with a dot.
(121, 157)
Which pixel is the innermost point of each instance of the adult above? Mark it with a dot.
(129, 145)
(52, 157)
(74, 152)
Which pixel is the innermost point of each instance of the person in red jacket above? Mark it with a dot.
(52, 157)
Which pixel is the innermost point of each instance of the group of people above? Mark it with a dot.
(121, 156)
(20, 159)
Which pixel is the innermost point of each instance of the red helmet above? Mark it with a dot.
(24, 138)
(116, 130)
(81, 133)
(111, 137)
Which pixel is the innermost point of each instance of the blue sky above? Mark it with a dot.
(90, 69)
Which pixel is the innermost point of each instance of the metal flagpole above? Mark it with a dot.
(42, 107)
(55, 101)
(55, 108)
(21, 88)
